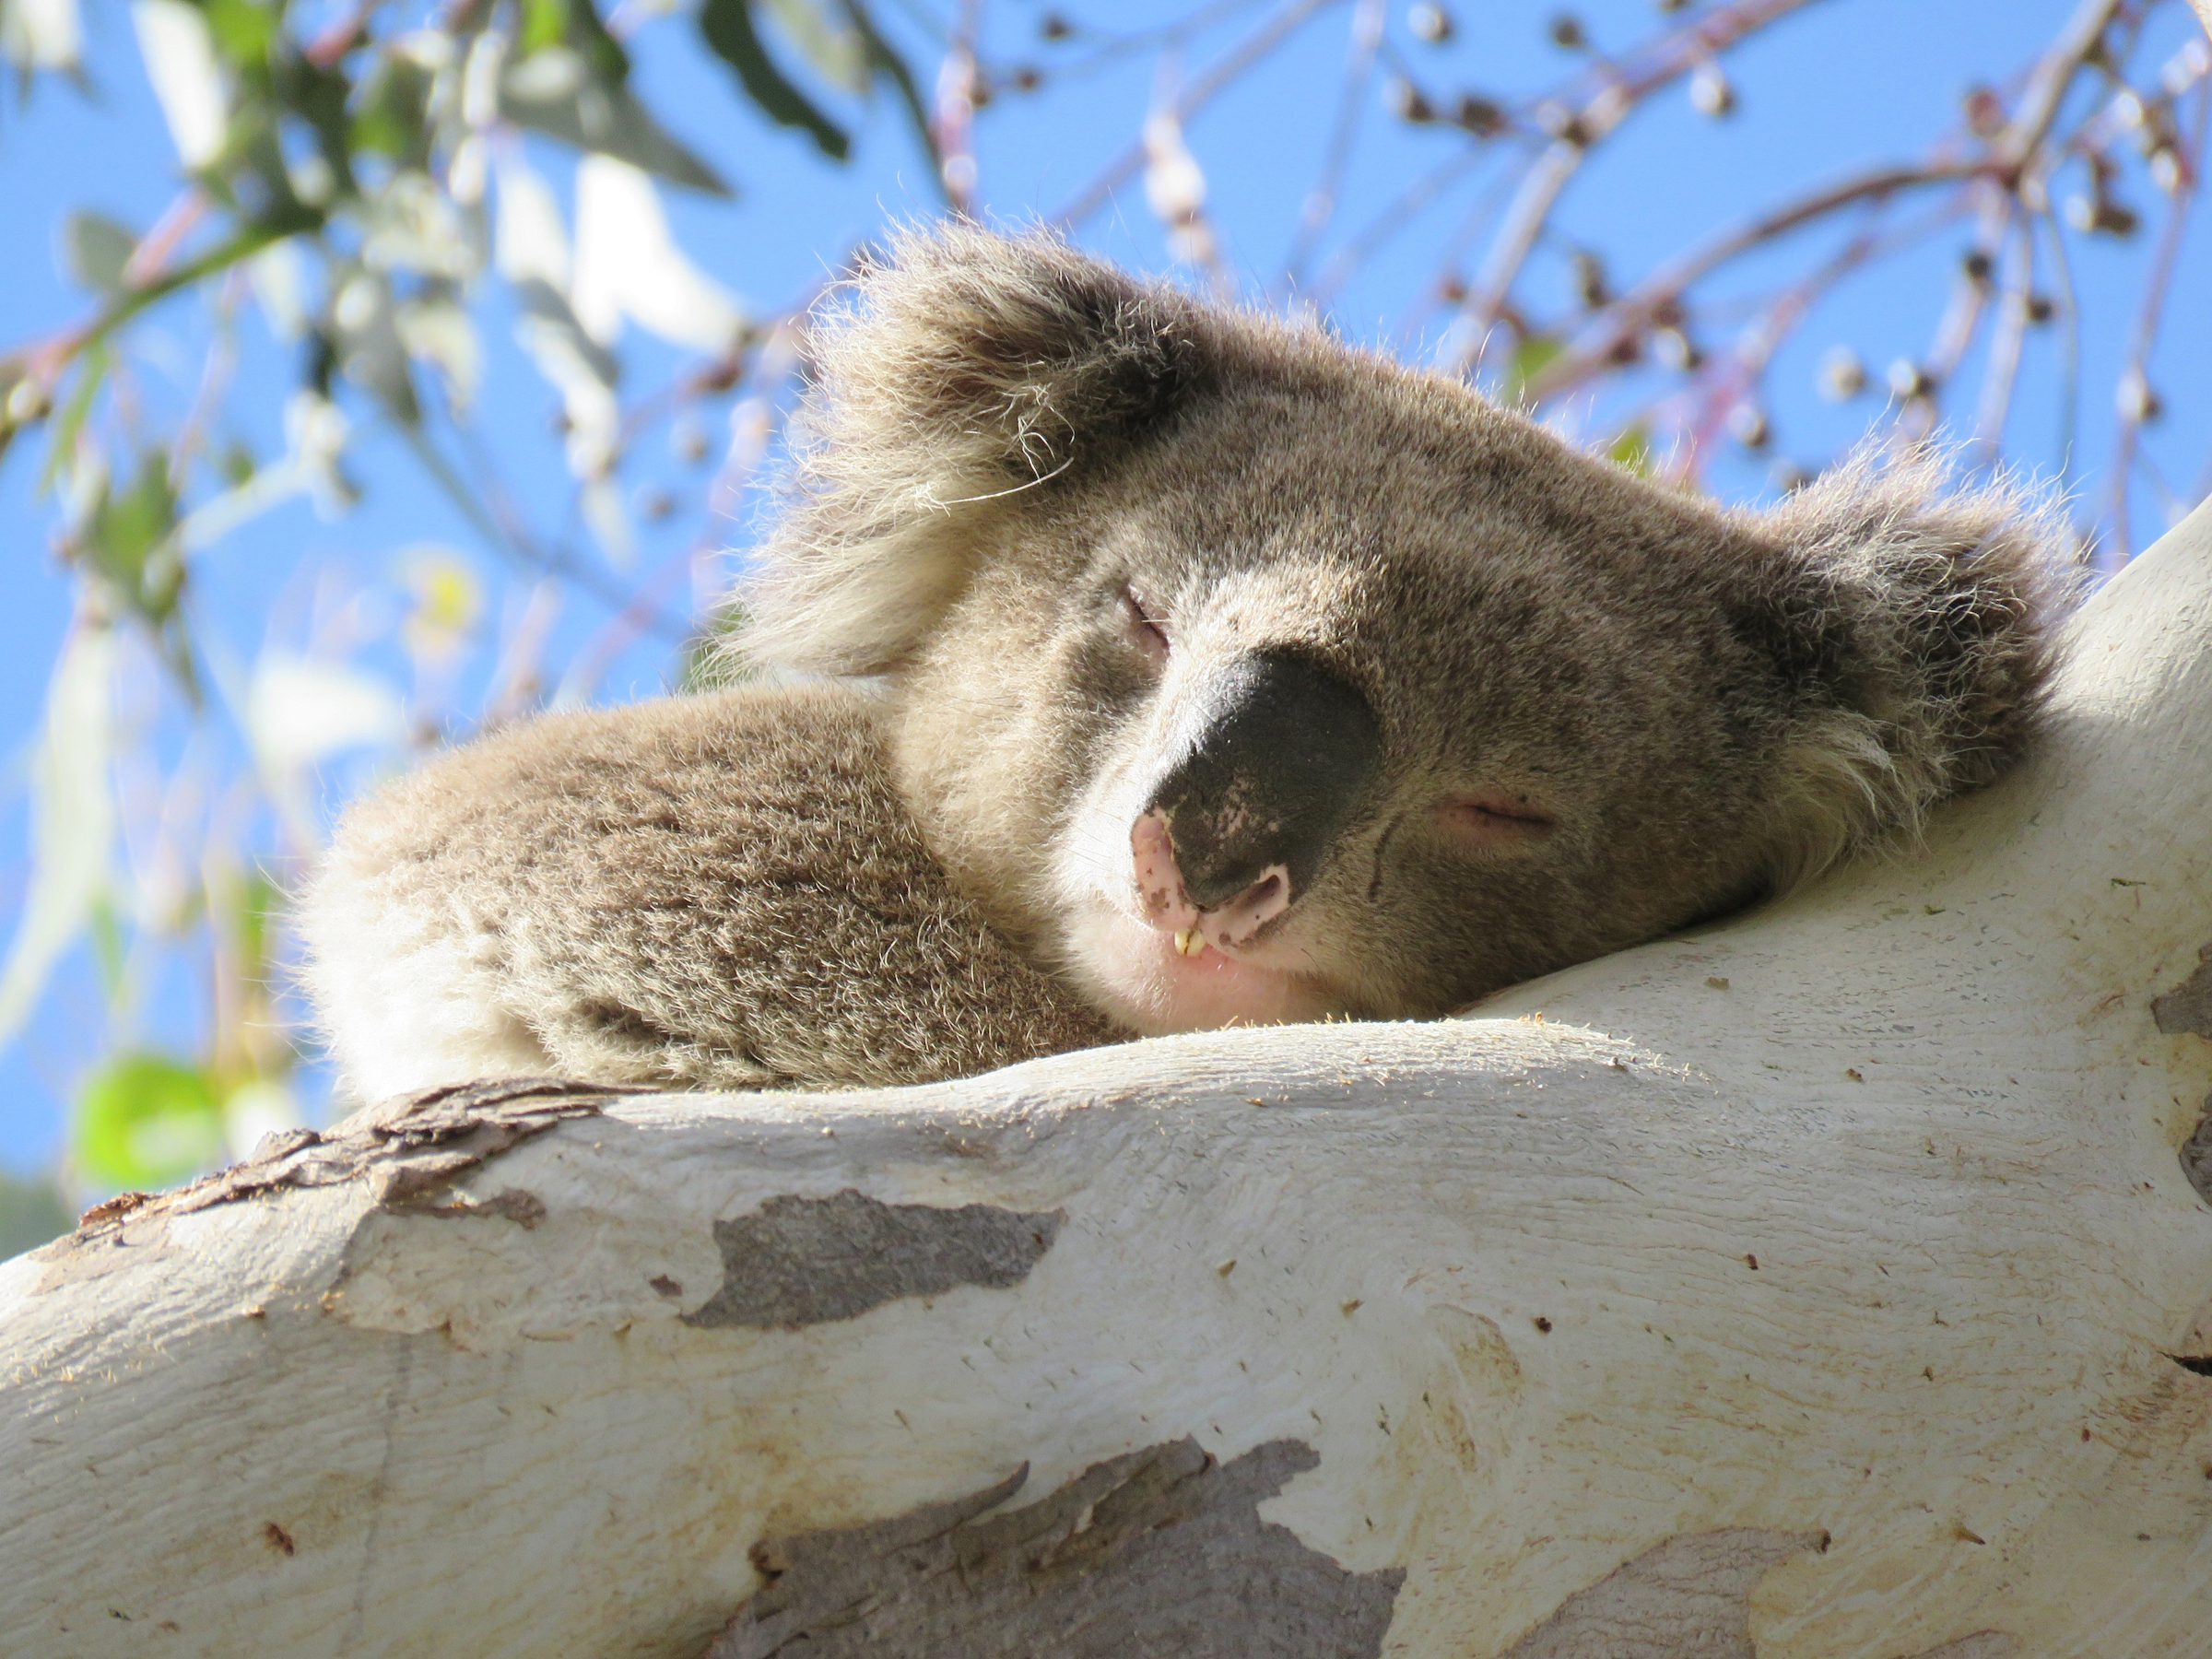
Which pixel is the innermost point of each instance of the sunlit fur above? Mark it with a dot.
(1697, 707)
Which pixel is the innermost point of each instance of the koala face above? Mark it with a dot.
(1246, 677)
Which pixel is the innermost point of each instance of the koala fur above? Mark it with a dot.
(1222, 673)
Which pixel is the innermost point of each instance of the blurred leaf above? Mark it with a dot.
(62, 444)
(545, 23)
(838, 49)
(726, 26)
(301, 710)
(243, 31)
(628, 265)
(145, 1120)
(318, 95)
(95, 248)
(391, 116)
(1530, 360)
(32, 1213)
(599, 115)
(127, 540)
(40, 34)
(371, 353)
(235, 464)
(72, 820)
(887, 62)
(179, 50)
(437, 331)
(1632, 449)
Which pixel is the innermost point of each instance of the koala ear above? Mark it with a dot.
(1911, 627)
(962, 372)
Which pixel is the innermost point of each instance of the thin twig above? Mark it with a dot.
(1582, 129)
(1127, 166)
(1328, 186)
(2136, 409)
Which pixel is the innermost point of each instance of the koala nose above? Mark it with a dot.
(1265, 765)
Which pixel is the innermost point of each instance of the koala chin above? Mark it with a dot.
(1219, 672)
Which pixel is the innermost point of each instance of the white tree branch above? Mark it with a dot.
(1824, 1285)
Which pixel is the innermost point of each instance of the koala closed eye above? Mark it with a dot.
(1495, 822)
(1143, 626)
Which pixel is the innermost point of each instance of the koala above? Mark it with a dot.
(1127, 664)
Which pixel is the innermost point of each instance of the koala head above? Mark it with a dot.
(1244, 675)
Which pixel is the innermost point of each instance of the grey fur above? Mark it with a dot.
(1701, 706)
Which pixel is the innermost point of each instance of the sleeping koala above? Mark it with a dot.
(1164, 667)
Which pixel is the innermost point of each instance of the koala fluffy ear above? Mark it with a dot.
(963, 370)
(1911, 625)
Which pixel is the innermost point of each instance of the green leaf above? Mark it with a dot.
(127, 540)
(607, 118)
(390, 117)
(545, 23)
(243, 31)
(318, 95)
(96, 248)
(837, 49)
(62, 447)
(143, 1120)
(1529, 359)
(1632, 449)
(727, 27)
(885, 62)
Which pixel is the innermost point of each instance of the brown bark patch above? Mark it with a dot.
(808, 1261)
(1687, 1598)
(2188, 1006)
(1159, 1552)
(2196, 1155)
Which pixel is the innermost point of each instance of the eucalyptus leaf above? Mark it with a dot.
(146, 1120)
(727, 27)
(1529, 359)
(95, 248)
(838, 50)
(602, 116)
(126, 540)
(1632, 449)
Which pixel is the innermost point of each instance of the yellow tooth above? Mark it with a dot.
(1189, 942)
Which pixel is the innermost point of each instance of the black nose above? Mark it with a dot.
(1266, 763)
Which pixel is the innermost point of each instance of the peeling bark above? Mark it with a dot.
(809, 1261)
(2188, 1006)
(1159, 1552)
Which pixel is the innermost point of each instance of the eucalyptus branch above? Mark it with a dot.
(1630, 316)
(1577, 131)
(2137, 400)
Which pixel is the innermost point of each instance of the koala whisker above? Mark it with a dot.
(1000, 494)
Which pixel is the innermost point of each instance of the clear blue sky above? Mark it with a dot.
(1845, 83)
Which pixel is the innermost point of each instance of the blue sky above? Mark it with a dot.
(1843, 84)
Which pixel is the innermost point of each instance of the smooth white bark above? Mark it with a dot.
(1861, 1215)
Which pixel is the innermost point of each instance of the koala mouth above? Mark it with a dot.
(1232, 924)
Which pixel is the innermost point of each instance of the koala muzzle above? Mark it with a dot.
(1266, 764)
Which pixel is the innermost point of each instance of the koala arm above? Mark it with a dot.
(710, 892)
